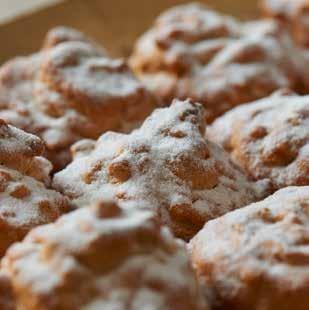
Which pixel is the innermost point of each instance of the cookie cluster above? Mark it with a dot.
(181, 183)
(71, 90)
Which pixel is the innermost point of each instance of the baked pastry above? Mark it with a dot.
(166, 165)
(194, 52)
(69, 91)
(25, 201)
(268, 138)
(102, 257)
(257, 257)
(293, 14)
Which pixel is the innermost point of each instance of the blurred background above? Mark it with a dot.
(114, 23)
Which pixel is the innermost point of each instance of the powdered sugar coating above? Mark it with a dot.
(25, 201)
(291, 13)
(257, 257)
(194, 52)
(53, 94)
(95, 85)
(25, 204)
(114, 257)
(268, 138)
(21, 151)
(166, 166)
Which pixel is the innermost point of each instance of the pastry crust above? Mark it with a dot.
(268, 138)
(257, 257)
(102, 257)
(71, 90)
(25, 201)
(195, 52)
(166, 165)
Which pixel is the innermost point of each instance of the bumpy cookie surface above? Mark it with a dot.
(70, 90)
(269, 138)
(25, 201)
(257, 257)
(165, 165)
(292, 13)
(194, 52)
(102, 257)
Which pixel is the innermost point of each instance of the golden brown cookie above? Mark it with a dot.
(293, 14)
(268, 138)
(165, 165)
(257, 257)
(102, 257)
(194, 52)
(102, 89)
(22, 152)
(71, 90)
(25, 201)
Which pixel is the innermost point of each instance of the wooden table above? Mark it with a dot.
(10, 9)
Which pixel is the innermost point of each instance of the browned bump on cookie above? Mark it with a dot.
(119, 171)
(20, 191)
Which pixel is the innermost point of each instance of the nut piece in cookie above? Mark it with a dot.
(102, 257)
(268, 138)
(166, 165)
(71, 90)
(25, 200)
(257, 257)
(194, 52)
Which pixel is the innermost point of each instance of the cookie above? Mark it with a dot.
(257, 257)
(165, 165)
(102, 257)
(71, 90)
(194, 52)
(293, 14)
(268, 138)
(25, 198)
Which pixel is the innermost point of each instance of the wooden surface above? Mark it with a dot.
(10, 9)
(114, 23)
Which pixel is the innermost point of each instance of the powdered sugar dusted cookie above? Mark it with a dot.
(293, 14)
(269, 138)
(257, 257)
(102, 257)
(25, 201)
(22, 151)
(71, 90)
(166, 165)
(98, 87)
(194, 52)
